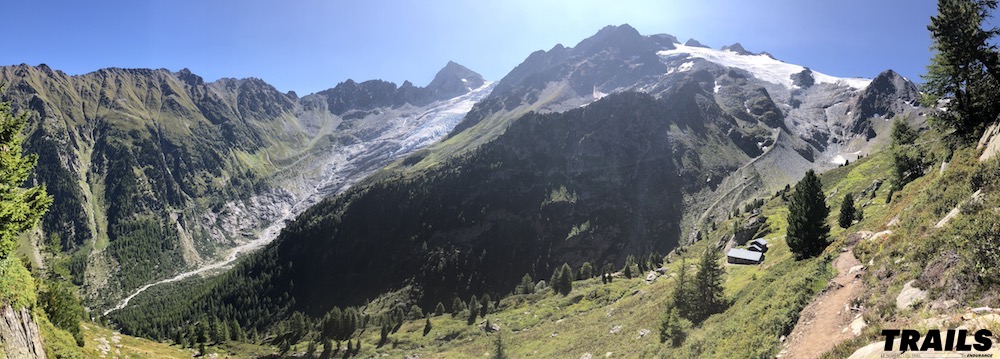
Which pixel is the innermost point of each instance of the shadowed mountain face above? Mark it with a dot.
(623, 145)
(590, 184)
(153, 171)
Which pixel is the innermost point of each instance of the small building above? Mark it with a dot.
(758, 245)
(743, 256)
(760, 241)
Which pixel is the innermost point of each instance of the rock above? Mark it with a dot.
(746, 232)
(607, 355)
(858, 325)
(644, 332)
(951, 214)
(986, 321)
(856, 269)
(19, 334)
(651, 276)
(873, 350)
(616, 329)
(990, 141)
(586, 356)
(910, 295)
(982, 310)
(944, 304)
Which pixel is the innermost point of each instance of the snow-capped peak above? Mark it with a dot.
(761, 66)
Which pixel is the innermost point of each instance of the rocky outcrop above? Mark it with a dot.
(990, 142)
(747, 231)
(20, 337)
(694, 43)
(888, 95)
(737, 48)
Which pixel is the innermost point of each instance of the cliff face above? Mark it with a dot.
(19, 334)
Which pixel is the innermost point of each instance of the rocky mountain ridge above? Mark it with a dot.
(155, 172)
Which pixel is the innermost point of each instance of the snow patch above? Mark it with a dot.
(838, 160)
(761, 66)
(598, 94)
(717, 87)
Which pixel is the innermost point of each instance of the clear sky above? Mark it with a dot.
(311, 45)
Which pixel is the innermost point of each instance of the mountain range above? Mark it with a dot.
(623, 145)
(154, 172)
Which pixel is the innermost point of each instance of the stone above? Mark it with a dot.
(616, 329)
(858, 325)
(910, 295)
(856, 269)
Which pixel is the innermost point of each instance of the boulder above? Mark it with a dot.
(910, 295)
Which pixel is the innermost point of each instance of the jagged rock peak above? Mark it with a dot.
(670, 39)
(455, 79)
(737, 48)
(694, 43)
(186, 76)
(622, 36)
(804, 79)
(891, 81)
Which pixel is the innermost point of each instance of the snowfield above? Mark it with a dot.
(762, 67)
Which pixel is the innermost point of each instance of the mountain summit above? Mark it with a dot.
(454, 80)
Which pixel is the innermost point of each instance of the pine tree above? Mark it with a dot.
(681, 298)
(807, 211)
(499, 352)
(672, 327)
(965, 67)
(846, 218)
(486, 304)
(179, 338)
(473, 310)
(586, 271)
(383, 336)
(457, 306)
(708, 298)
(202, 332)
(554, 279)
(630, 267)
(311, 349)
(415, 312)
(562, 279)
(427, 326)
(327, 348)
(527, 285)
(439, 309)
(907, 158)
(20, 209)
(236, 332)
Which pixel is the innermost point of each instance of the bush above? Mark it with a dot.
(17, 286)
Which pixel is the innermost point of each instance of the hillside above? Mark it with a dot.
(156, 172)
(623, 317)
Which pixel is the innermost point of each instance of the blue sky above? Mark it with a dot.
(311, 45)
